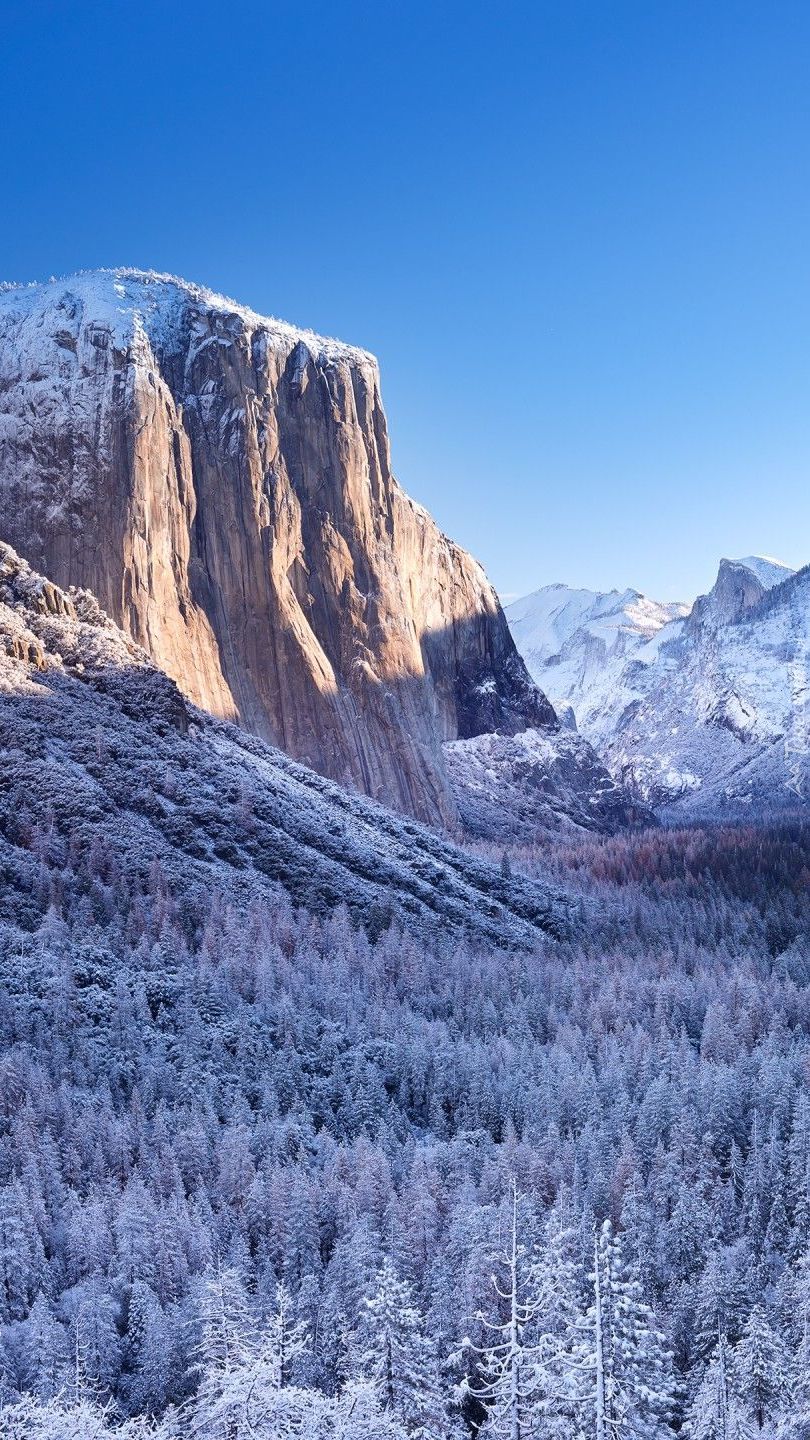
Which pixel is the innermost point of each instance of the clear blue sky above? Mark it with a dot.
(576, 234)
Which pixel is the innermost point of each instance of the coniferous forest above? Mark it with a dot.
(404, 720)
(264, 1175)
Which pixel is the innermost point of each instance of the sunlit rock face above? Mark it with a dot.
(222, 483)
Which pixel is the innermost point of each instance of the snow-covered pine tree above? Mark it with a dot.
(556, 1284)
(243, 1368)
(394, 1354)
(283, 1339)
(227, 1332)
(527, 1365)
(224, 1357)
(149, 1352)
(632, 1387)
(14, 1257)
(721, 1298)
(761, 1371)
(46, 1351)
(798, 1295)
(716, 1412)
(94, 1345)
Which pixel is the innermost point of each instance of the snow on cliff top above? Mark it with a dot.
(769, 572)
(122, 299)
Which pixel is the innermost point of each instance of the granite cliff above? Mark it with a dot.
(222, 483)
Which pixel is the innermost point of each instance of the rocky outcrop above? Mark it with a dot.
(739, 588)
(222, 483)
(517, 789)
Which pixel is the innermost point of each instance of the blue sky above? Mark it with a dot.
(576, 234)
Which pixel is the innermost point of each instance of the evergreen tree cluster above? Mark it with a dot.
(263, 1175)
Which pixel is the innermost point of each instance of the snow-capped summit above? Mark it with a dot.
(710, 714)
(768, 571)
(125, 301)
(576, 640)
(739, 587)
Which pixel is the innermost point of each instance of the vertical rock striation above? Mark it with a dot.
(222, 482)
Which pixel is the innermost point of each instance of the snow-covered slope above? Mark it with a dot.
(519, 788)
(103, 760)
(711, 715)
(769, 572)
(576, 642)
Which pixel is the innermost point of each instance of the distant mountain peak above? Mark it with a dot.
(768, 571)
(567, 634)
(740, 585)
(711, 713)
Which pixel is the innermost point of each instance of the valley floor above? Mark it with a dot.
(258, 1171)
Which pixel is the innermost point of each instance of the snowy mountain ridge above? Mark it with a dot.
(575, 639)
(710, 715)
(127, 300)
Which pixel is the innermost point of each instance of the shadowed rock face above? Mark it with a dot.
(222, 483)
(737, 590)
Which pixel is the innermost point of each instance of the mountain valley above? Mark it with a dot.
(375, 965)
